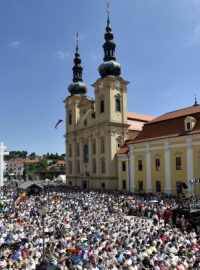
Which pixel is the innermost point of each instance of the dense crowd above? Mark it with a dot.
(91, 230)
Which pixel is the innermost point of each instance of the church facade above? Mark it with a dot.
(165, 156)
(97, 128)
(109, 148)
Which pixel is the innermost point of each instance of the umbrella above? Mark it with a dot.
(83, 247)
(72, 249)
(76, 259)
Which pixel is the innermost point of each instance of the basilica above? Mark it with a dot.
(109, 148)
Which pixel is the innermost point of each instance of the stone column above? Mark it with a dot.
(168, 188)
(131, 168)
(148, 169)
(190, 166)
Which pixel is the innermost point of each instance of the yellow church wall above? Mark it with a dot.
(196, 158)
(174, 142)
(124, 176)
(140, 175)
(178, 175)
(141, 146)
(157, 175)
(156, 145)
(197, 139)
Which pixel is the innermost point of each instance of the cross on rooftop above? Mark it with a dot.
(2, 154)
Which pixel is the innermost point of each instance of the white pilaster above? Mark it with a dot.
(190, 164)
(127, 169)
(131, 168)
(119, 171)
(73, 156)
(148, 168)
(168, 188)
(2, 154)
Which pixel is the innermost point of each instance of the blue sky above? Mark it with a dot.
(158, 47)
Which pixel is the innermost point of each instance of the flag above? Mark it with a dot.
(59, 121)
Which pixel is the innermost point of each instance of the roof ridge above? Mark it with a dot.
(167, 114)
(177, 110)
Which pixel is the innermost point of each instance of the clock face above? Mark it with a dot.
(117, 83)
(101, 84)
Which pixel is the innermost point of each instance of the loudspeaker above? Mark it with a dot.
(184, 185)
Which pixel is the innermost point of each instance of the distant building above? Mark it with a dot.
(53, 170)
(15, 167)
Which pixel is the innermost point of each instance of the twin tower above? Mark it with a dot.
(96, 128)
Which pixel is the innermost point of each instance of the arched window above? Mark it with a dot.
(70, 117)
(102, 145)
(78, 166)
(94, 165)
(157, 164)
(102, 106)
(178, 161)
(94, 147)
(119, 142)
(103, 167)
(140, 165)
(85, 153)
(118, 105)
(77, 149)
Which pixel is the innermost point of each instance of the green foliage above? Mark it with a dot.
(54, 156)
(41, 165)
(16, 154)
(32, 155)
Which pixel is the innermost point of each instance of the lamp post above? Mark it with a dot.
(42, 210)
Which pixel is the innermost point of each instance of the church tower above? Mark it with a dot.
(96, 128)
(77, 90)
(111, 108)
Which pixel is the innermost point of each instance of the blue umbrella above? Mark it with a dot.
(83, 247)
(76, 259)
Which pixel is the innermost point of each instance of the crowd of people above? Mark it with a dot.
(91, 230)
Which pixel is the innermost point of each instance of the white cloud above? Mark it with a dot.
(61, 55)
(195, 38)
(15, 44)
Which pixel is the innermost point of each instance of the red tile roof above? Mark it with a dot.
(169, 125)
(177, 113)
(135, 125)
(123, 150)
(137, 120)
(139, 116)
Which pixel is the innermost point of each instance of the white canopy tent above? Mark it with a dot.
(61, 177)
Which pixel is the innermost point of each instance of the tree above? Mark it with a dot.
(16, 154)
(32, 155)
(40, 165)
